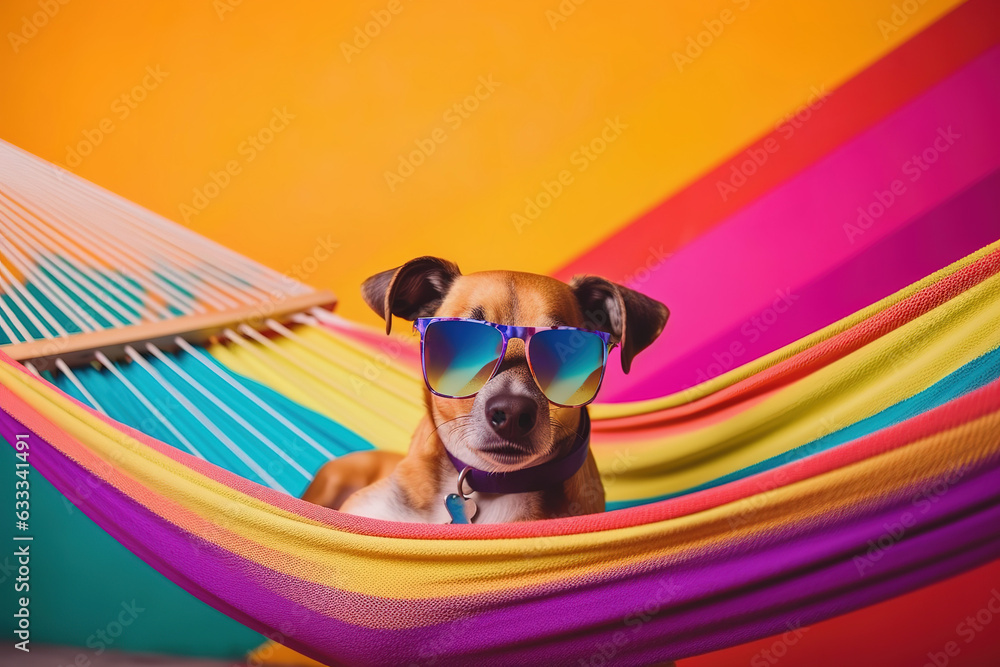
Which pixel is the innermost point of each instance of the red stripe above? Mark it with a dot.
(929, 57)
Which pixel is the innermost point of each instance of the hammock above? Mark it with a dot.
(721, 566)
(853, 465)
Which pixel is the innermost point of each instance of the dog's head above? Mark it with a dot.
(510, 424)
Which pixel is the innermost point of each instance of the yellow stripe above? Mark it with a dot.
(871, 379)
(323, 384)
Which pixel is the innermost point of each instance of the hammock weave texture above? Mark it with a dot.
(903, 489)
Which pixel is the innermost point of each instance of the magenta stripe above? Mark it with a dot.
(885, 268)
(718, 598)
(796, 233)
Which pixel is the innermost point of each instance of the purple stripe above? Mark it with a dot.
(717, 598)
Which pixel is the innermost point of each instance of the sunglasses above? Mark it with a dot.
(460, 355)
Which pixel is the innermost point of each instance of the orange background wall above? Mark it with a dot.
(225, 68)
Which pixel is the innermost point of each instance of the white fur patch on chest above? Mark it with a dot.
(506, 508)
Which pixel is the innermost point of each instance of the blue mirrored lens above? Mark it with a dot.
(459, 357)
(568, 364)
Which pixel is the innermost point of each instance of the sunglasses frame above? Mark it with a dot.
(508, 332)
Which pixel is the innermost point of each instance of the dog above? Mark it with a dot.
(507, 453)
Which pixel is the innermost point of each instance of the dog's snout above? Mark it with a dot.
(511, 417)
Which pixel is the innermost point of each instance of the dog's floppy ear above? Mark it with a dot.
(634, 320)
(412, 290)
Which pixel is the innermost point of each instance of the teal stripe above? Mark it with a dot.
(126, 408)
(973, 375)
(62, 282)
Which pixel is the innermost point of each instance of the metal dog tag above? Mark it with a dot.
(461, 510)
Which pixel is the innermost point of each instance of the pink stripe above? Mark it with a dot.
(915, 250)
(797, 232)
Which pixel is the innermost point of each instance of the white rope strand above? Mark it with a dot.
(20, 290)
(66, 280)
(72, 310)
(232, 414)
(71, 376)
(15, 321)
(131, 268)
(83, 262)
(104, 361)
(112, 206)
(147, 257)
(203, 420)
(197, 354)
(76, 257)
(313, 324)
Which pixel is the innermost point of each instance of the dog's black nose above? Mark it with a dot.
(512, 417)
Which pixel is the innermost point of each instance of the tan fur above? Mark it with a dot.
(341, 477)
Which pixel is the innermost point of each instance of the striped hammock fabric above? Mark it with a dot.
(909, 461)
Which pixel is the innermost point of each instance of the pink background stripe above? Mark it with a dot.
(796, 233)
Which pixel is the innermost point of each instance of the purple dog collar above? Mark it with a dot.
(536, 477)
